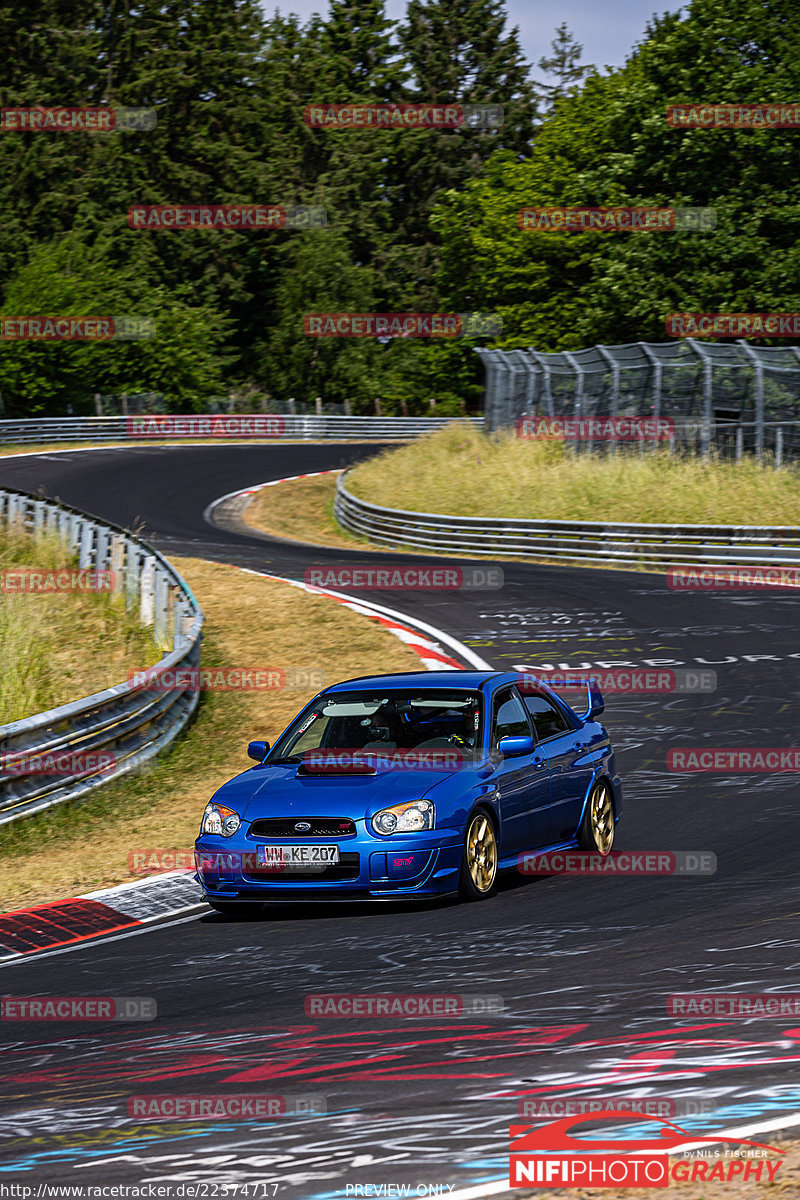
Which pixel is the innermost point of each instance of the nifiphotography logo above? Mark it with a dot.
(550, 1156)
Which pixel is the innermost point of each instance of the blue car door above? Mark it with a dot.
(570, 762)
(523, 782)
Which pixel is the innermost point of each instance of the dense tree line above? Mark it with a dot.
(417, 220)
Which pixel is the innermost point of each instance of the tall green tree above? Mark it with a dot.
(458, 51)
(609, 143)
(564, 64)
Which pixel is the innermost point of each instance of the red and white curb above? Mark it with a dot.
(258, 487)
(67, 923)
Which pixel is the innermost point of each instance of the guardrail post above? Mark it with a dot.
(86, 545)
(147, 590)
(101, 540)
(160, 614)
(132, 556)
(739, 443)
(778, 447)
(73, 532)
(178, 617)
(38, 518)
(173, 615)
(117, 560)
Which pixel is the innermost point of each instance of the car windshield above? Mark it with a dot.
(383, 722)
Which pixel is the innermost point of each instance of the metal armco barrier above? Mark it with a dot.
(245, 425)
(569, 541)
(129, 723)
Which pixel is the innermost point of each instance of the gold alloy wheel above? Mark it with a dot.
(481, 853)
(601, 818)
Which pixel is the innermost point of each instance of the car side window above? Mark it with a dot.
(548, 720)
(510, 719)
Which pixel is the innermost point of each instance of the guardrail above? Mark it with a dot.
(129, 723)
(255, 426)
(568, 541)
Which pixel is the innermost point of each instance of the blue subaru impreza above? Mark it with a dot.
(411, 785)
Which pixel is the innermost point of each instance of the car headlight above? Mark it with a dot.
(410, 817)
(220, 820)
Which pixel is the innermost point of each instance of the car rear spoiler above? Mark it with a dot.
(595, 704)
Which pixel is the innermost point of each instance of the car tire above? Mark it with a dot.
(596, 833)
(479, 861)
(234, 909)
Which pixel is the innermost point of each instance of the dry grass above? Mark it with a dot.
(461, 471)
(73, 849)
(301, 509)
(43, 637)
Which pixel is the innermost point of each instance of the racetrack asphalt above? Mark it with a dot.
(584, 965)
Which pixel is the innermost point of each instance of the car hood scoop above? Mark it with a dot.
(331, 766)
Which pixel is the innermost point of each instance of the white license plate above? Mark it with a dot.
(297, 856)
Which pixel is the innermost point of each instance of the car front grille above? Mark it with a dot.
(284, 827)
(346, 870)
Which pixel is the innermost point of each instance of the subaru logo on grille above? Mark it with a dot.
(302, 827)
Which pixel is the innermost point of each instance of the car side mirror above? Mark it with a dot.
(258, 750)
(515, 746)
(595, 703)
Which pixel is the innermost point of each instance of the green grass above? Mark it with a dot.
(58, 647)
(461, 471)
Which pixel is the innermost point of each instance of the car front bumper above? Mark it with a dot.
(421, 865)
